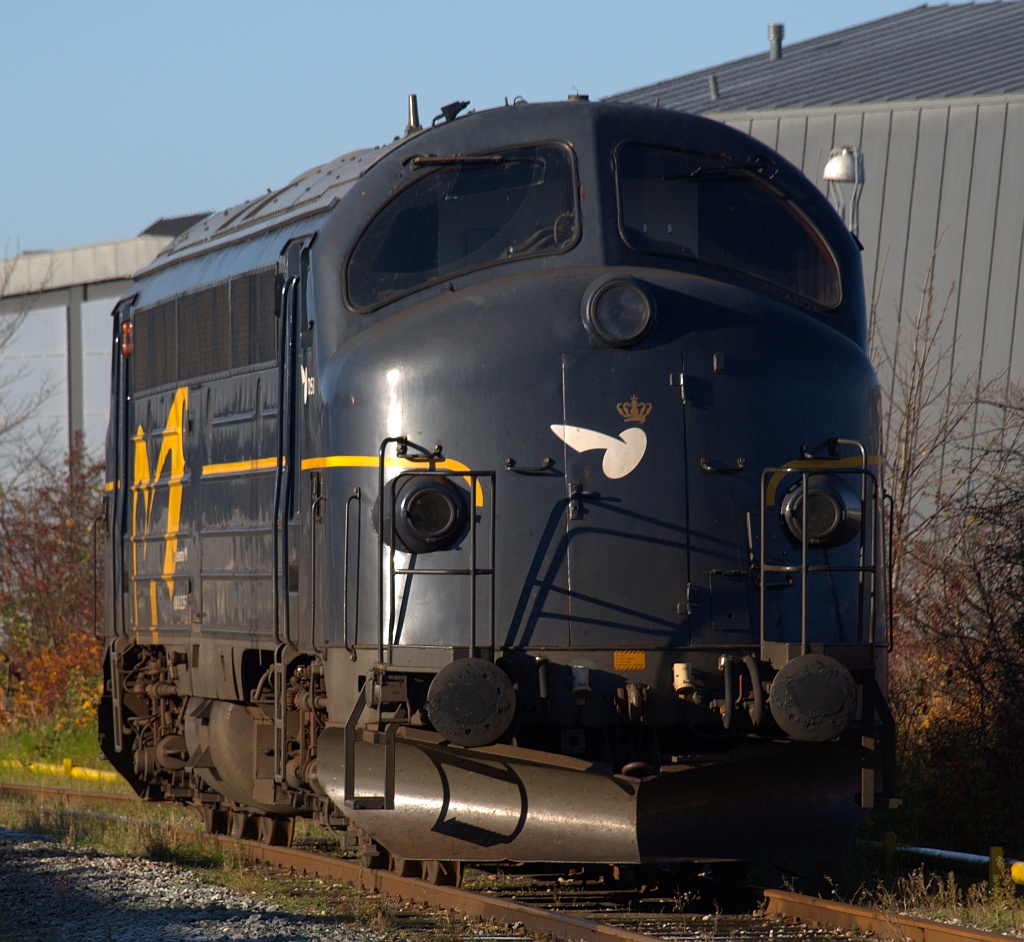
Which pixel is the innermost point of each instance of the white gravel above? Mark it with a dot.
(50, 892)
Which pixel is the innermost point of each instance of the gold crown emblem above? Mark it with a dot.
(634, 411)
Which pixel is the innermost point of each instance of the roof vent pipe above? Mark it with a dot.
(713, 87)
(414, 117)
(775, 33)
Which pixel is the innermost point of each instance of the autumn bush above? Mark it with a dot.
(49, 594)
(954, 473)
(957, 679)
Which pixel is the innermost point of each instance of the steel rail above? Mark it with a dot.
(80, 794)
(824, 912)
(476, 905)
(779, 903)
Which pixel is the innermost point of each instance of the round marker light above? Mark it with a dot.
(619, 312)
(833, 511)
(429, 513)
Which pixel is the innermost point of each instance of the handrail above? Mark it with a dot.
(386, 544)
(867, 551)
(403, 443)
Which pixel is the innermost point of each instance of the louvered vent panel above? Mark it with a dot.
(156, 346)
(254, 327)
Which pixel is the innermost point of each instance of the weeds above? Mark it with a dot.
(994, 907)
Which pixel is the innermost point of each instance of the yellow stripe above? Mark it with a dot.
(371, 461)
(344, 461)
(239, 467)
(172, 450)
(109, 486)
(815, 464)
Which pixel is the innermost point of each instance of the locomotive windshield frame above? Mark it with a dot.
(468, 212)
(707, 209)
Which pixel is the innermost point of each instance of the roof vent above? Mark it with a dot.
(713, 87)
(775, 33)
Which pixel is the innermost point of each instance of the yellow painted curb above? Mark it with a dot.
(67, 767)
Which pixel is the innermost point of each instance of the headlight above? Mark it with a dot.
(618, 312)
(833, 511)
(425, 512)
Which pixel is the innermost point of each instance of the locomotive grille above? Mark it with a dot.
(254, 334)
(204, 344)
(228, 326)
(156, 347)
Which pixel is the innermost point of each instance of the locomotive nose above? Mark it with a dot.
(813, 698)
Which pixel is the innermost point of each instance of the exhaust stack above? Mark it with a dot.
(414, 117)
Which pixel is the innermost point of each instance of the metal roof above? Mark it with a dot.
(173, 226)
(307, 195)
(33, 272)
(939, 51)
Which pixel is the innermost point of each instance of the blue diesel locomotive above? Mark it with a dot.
(508, 492)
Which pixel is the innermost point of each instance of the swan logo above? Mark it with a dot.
(621, 455)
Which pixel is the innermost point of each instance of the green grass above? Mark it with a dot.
(43, 742)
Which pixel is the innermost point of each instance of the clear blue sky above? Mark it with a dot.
(117, 112)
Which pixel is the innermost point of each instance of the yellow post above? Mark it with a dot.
(995, 866)
(66, 765)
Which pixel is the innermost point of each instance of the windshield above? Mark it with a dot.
(703, 208)
(466, 213)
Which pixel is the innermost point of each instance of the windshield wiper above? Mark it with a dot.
(761, 165)
(438, 160)
(709, 173)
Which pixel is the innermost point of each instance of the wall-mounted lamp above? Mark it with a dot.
(844, 174)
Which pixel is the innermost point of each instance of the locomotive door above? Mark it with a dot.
(627, 508)
(117, 586)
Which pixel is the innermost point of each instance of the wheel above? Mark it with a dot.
(244, 826)
(276, 830)
(216, 820)
(404, 867)
(443, 872)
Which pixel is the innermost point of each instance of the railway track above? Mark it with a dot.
(574, 912)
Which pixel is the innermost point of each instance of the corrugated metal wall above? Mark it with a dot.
(942, 177)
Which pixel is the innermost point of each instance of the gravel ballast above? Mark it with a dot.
(52, 892)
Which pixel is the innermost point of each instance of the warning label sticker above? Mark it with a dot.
(630, 660)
